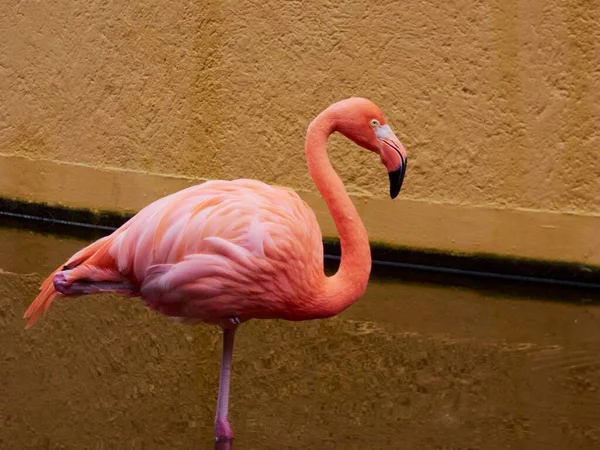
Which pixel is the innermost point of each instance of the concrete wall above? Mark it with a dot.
(498, 104)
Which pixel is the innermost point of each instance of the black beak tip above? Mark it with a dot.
(395, 182)
(396, 179)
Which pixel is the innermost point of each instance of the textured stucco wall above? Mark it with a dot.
(498, 103)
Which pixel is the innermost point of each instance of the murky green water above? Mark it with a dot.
(412, 365)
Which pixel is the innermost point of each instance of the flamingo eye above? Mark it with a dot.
(375, 123)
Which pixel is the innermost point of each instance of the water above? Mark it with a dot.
(412, 365)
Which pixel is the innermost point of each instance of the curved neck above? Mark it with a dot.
(350, 282)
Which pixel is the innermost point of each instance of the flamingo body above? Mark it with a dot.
(210, 252)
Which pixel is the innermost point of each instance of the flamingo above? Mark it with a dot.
(225, 252)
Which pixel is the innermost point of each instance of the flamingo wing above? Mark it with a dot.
(223, 249)
(219, 249)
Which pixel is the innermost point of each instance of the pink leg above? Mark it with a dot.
(223, 432)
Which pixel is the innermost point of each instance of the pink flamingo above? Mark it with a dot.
(225, 252)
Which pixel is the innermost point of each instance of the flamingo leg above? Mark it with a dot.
(223, 432)
(91, 287)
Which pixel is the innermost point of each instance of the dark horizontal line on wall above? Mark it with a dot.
(61, 215)
(480, 271)
(497, 267)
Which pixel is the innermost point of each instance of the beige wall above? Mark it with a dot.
(498, 104)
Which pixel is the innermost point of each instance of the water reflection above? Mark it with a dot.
(411, 365)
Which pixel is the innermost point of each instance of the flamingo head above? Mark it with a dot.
(362, 121)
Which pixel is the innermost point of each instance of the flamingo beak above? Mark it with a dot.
(396, 179)
(394, 157)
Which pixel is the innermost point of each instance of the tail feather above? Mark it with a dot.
(43, 301)
(95, 253)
